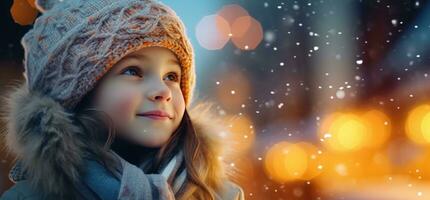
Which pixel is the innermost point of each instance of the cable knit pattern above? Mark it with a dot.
(75, 42)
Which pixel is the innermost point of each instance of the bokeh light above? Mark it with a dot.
(342, 170)
(22, 12)
(32, 3)
(352, 131)
(231, 21)
(417, 125)
(315, 165)
(380, 128)
(242, 133)
(344, 132)
(285, 161)
(247, 33)
(231, 12)
(212, 32)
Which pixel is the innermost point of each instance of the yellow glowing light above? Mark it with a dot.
(425, 126)
(418, 124)
(344, 132)
(314, 166)
(380, 126)
(350, 134)
(286, 162)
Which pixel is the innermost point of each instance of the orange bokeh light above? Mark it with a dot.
(314, 167)
(231, 12)
(247, 33)
(286, 161)
(32, 3)
(23, 13)
(232, 21)
(241, 133)
(346, 132)
(380, 126)
(418, 124)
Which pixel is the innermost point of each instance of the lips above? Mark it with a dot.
(156, 114)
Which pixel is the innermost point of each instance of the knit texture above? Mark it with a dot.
(75, 42)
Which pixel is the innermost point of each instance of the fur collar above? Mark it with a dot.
(49, 147)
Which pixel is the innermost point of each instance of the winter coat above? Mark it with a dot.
(100, 184)
(61, 150)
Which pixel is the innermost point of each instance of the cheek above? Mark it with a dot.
(178, 101)
(124, 105)
(121, 103)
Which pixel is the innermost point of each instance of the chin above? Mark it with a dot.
(153, 142)
(152, 137)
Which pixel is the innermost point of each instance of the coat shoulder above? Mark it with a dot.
(21, 190)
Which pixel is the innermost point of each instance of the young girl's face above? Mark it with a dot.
(145, 80)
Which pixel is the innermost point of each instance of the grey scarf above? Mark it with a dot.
(137, 185)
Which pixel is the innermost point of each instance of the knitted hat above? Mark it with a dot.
(75, 42)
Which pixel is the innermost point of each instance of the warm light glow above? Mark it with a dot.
(344, 132)
(23, 13)
(234, 88)
(418, 124)
(314, 166)
(234, 22)
(231, 12)
(425, 126)
(241, 133)
(351, 133)
(212, 32)
(32, 3)
(247, 33)
(380, 126)
(286, 162)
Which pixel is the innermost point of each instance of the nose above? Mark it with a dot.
(159, 91)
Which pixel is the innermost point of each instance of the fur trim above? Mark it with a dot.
(212, 128)
(50, 148)
(45, 141)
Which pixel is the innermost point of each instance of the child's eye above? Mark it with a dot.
(173, 76)
(132, 71)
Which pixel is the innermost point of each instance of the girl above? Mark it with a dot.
(105, 111)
